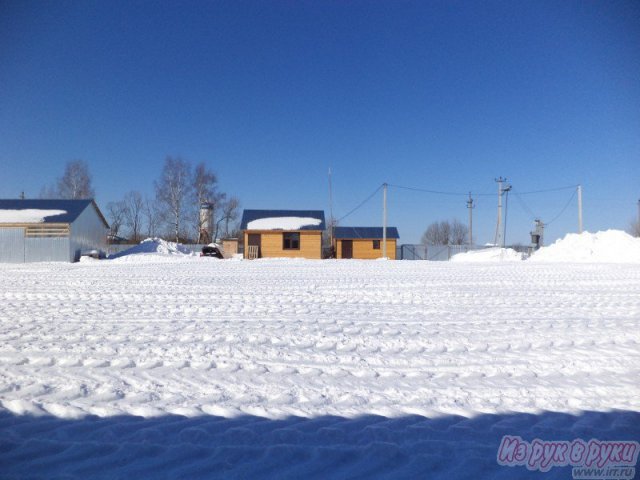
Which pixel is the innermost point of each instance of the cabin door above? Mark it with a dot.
(254, 241)
(347, 248)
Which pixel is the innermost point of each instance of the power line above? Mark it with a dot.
(549, 190)
(563, 209)
(438, 192)
(525, 207)
(360, 204)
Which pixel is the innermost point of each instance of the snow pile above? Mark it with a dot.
(611, 246)
(488, 255)
(283, 223)
(155, 246)
(28, 215)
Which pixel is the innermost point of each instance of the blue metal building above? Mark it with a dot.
(50, 230)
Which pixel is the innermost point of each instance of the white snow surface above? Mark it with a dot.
(610, 246)
(150, 249)
(488, 255)
(27, 215)
(315, 369)
(282, 223)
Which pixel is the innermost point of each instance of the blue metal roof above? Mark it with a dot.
(251, 215)
(364, 232)
(73, 208)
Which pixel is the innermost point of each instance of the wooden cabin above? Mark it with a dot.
(364, 242)
(282, 233)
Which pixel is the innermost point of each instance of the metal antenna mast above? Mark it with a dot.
(470, 206)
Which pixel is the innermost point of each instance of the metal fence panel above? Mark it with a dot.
(12, 245)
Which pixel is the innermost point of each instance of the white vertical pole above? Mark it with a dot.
(579, 208)
(384, 221)
(470, 207)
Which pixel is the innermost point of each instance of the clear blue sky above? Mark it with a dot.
(437, 95)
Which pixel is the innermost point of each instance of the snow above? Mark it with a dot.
(283, 223)
(150, 249)
(28, 215)
(488, 255)
(315, 369)
(612, 246)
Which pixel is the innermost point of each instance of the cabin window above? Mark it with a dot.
(291, 241)
(376, 244)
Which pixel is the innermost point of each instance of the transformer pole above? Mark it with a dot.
(499, 224)
(579, 208)
(384, 221)
(470, 207)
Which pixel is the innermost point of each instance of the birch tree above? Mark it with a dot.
(75, 183)
(172, 192)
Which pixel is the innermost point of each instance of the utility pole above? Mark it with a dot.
(384, 221)
(499, 224)
(331, 225)
(579, 208)
(470, 206)
(506, 190)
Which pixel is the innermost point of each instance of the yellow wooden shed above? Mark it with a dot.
(282, 233)
(364, 242)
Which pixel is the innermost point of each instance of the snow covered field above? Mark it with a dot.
(185, 367)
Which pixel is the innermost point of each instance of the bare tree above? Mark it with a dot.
(230, 212)
(459, 232)
(173, 191)
(49, 191)
(445, 233)
(204, 192)
(76, 181)
(116, 214)
(152, 217)
(433, 235)
(133, 211)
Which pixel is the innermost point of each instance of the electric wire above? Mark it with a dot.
(360, 204)
(563, 209)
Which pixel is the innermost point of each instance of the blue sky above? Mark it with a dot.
(436, 95)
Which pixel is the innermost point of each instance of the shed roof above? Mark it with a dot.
(73, 209)
(249, 216)
(364, 232)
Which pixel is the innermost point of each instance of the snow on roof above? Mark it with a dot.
(283, 223)
(28, 215)
(282, 220)
(614, 246)
(70, 209)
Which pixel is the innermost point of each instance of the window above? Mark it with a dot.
(291, 241)
(376, 244)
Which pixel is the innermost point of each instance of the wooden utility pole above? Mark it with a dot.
(384, 221)
(470, 206)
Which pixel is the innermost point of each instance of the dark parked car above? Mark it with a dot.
(211, 251)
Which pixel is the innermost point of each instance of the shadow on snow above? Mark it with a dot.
(370, 446)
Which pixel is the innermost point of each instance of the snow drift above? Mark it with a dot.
(488, 255)
(155, 246)
(611, 246)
